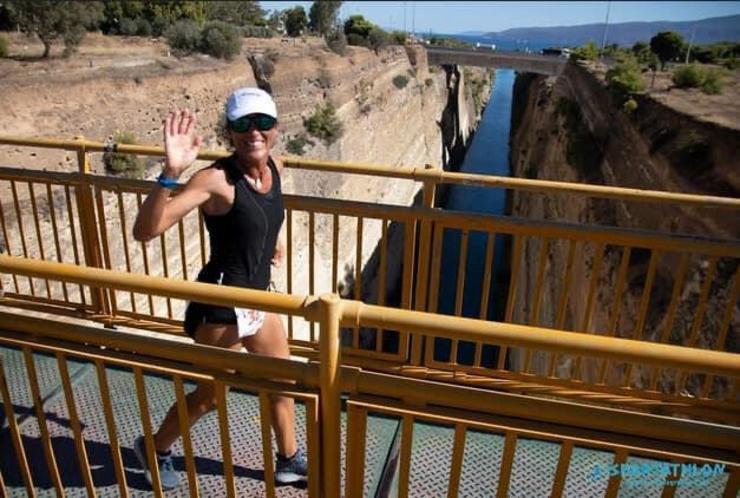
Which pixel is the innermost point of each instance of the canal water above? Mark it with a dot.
(488, 154)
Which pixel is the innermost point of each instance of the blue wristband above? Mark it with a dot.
(170, 183)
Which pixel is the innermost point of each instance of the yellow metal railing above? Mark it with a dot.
(571, 426)
(83, 218)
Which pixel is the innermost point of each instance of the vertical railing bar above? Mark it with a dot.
(723, 329)
(642, 310)
(355, 454)
(534, 318)
(289, 263)
(74, 421)
(511, 298)
(104, 242)
(38, 405)
(358, 259)
(488, 271)
(462, 262)
(507, 462)
(313, 441)
(561, 471)
(407, 434)
(563, 302)
(267, 455)
(612, 489)
(383, 278)
(459, 292)
(458, 451)
(15, 435)
(733, 484)
(165, 268)
(3, 489)
(437, 235)
(334, 252)
(55, 233)
(19, 218)
(671, 483)
(202, 237)
(7, 243)
(671, 313)
(110, 424)
(407, 288)
(223, 425)
(409, 243)
(127, 256)
(702, 306)
(73, 231)
(37, 226)
(312, 265)
(145, 257)
(146, 423)
(183, 254)
(623, 265)
(436, 262)
(701, 309)
(358, 278)
(588, 313)
(187, 445)
(330, 314)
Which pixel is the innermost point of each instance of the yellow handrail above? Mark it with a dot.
(406, 172)
(355, 314)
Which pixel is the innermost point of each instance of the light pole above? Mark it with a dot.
(691, 42)
(606, 26)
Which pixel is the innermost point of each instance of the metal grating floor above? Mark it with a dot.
(244, 425)
(532, 473)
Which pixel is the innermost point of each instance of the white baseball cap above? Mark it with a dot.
(246, 101)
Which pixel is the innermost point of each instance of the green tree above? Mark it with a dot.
(323, 16)
(667, 45)
(51, 20)
(295, 21)
(357, 25)
(642, 53)
(221, 40)
(587, 52)
(378, 39)
(625, 78)
(243, 13)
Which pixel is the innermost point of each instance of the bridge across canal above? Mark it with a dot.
(485, 57)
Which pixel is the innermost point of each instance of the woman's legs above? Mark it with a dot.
(202, 400)
(272, 341)
(269, 341)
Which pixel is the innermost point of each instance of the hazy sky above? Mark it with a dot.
(455, 16)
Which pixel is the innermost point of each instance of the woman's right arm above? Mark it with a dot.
(159, 211)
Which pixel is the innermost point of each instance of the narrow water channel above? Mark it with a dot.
(488, 154)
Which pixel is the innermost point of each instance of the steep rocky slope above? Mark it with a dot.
(129, 84)
(570, 130)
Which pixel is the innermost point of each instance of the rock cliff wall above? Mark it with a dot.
(570, 130)
(394, 108)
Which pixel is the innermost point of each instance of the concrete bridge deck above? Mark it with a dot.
(484, 57)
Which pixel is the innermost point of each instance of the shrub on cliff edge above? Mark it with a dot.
(400, 81)
(221, 40)
(693, 76)
(324, 124)
(3, 46)
(625, 78)
(124, 164)
(183, 37)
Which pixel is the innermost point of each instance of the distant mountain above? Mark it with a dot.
(710, 30)
(472, 33)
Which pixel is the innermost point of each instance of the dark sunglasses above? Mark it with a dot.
(262, 122)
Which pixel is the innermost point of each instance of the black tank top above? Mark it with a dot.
(243, 240)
